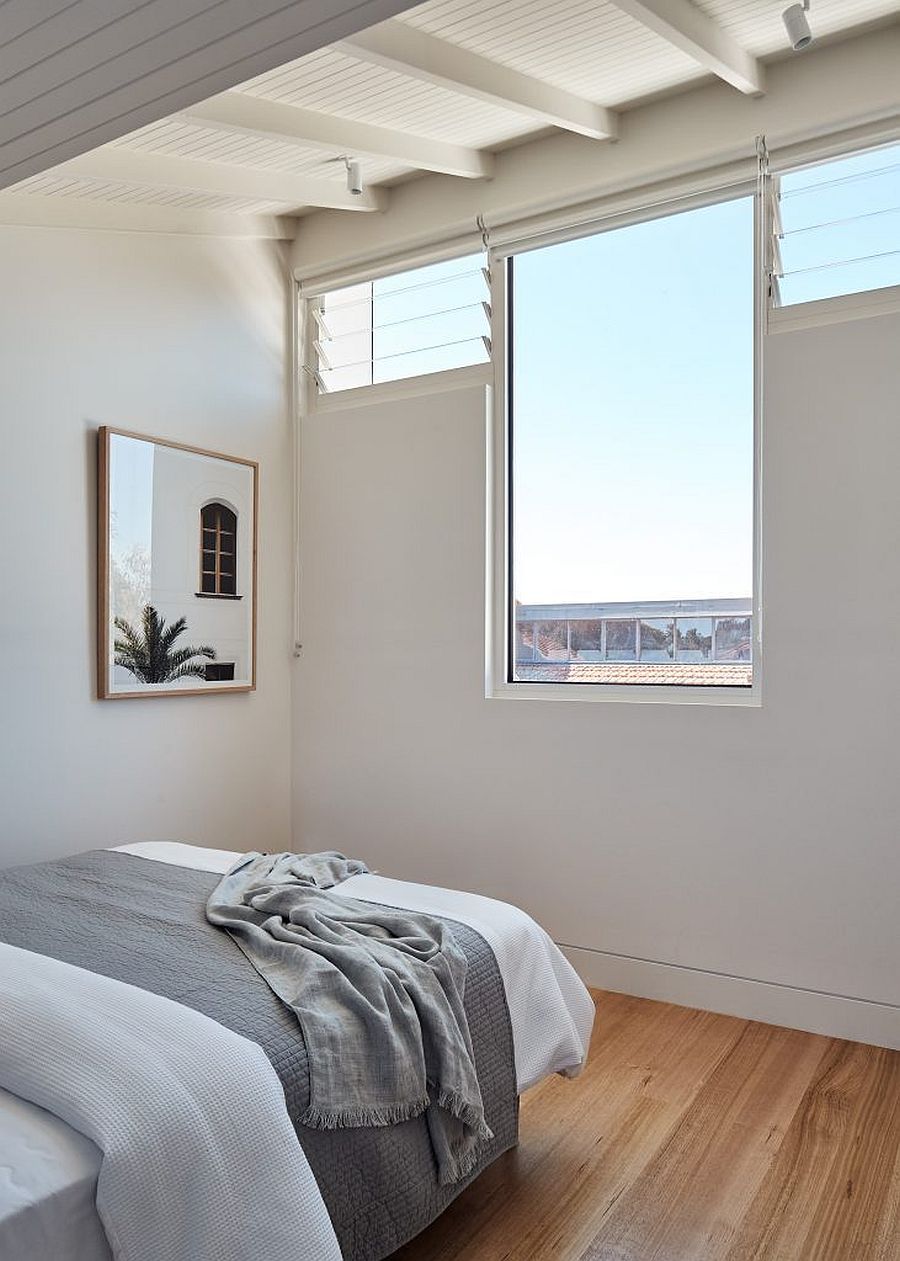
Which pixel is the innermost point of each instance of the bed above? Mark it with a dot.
(364, 1192)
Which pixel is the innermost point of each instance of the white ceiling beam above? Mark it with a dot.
(424, 57)
(35, 210)
(242, 114)
(681, 23)
(221, 179)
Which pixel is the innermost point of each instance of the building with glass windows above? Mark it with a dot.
(652, 641)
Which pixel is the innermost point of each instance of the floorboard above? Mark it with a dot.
(693, 1137)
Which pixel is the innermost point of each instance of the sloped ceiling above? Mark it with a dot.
(76, 75)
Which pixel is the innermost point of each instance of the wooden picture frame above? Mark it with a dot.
(177, 538)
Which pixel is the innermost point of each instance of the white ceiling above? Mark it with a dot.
(759, 29)
(337, 83)
(76, 73)
(585, 46)
(439, 87)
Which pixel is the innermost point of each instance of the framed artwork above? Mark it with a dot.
(177, 530)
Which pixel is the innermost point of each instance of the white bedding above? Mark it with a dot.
(200, 1159)
(48, 1185)
(48, 1173)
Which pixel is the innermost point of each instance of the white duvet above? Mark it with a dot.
(49, 1174)
(199, 1157)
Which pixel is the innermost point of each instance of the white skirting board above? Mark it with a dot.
(858, 1019)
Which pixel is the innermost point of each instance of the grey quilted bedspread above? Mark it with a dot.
(144, 922)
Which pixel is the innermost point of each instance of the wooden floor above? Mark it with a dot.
(692, 1135)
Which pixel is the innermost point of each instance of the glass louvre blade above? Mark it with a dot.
(468, 309)
(836, 227)
(429, 319)
(410, 363)
(338, 303)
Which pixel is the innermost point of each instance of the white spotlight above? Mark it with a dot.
(354, 177)
(796, 24)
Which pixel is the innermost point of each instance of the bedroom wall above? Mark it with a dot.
(733, 858)
(179, 337)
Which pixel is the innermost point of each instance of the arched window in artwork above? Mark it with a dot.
(218, 550)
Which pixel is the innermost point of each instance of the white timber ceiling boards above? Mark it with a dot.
(435, 89)
(75, 73)
(705, 41)
(427, 59)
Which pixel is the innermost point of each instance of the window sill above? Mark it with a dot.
(408, 387)
(629, 693)
(210, 595)
(848, 306)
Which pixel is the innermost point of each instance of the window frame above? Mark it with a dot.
(311, 401)
(218, 530)
(840, 307)
(613, 206)
(499, 616)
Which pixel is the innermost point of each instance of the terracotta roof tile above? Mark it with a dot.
(683, 673)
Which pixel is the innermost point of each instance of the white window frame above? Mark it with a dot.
(617, 208)
(313, 402)
(498, 624)
(846, 306)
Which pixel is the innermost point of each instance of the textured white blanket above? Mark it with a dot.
(200, 1159)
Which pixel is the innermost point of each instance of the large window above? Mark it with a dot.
(836, 227)
(631, 422)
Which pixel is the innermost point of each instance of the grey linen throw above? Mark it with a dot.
(378, 993)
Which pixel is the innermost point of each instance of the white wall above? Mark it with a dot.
(176, 337)
(670, 843)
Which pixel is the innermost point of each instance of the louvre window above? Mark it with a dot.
(427, 320)
(836, 227)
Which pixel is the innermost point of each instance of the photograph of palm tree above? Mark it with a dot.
(150, 653)
(177, 569)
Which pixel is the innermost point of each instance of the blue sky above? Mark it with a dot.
(131, 474)
(633, 412)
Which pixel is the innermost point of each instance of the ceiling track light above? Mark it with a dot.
(796, 24)
(354, 177)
